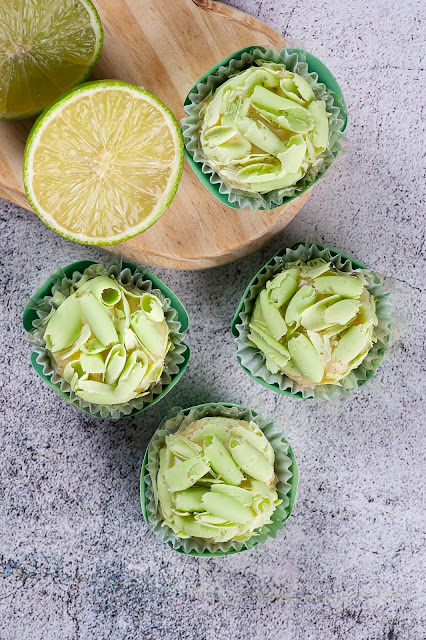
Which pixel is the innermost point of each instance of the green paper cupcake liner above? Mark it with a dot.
(285, 469)
(252, 360)
(296, 61)
(62, 284)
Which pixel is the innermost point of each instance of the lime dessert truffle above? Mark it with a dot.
(109, 341)
(264, 129)
(314, 323)
(216, 480)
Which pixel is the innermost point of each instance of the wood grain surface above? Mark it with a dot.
(166, 45)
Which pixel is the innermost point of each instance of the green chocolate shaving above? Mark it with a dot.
(105, 290)
(243, 496)
(219, 135)
(147, 332)
(160, 489)
(347, 286)
(274, 359)
(255, 437)
(73, 373)
(281, 182)
(97, 392)
(222, 506)
(114, 364)
(321, 344)
(312, 318)
(314, 268)
(152, 308)
(262, 489)
(302, 299)
(275, 344)
(283, 286)
(341, 312)
(152, 373)
(57, 299)
(221, 461)
(127, 389)
(182, 447)
(261, 136)
(190, 527)
(131, 340)
(217, 426)
(291, 370)
(98, 319)
(78, 344)
(320, 131)
(64, 326)
(303, 87)
(292, 158)
(185, 474)
(92, 363)
(93, 346)
(272, 102)
(272, 316)
(251, 460)
(136, 360)
(190, 500)
(352, 343)
(306, 358)
(368, 315)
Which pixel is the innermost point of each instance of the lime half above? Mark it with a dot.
(46, 47)
(103, 162)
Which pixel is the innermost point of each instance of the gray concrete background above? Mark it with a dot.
(77, 560)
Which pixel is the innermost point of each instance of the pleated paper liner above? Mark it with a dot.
(285, 469)
(252, 360)
(126, 273)
(324, 86)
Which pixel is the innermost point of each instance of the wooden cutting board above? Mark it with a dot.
(166, 45)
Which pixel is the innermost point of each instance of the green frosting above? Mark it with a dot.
(264, 128)
(314, 323)
(216, 480)
(109, 341)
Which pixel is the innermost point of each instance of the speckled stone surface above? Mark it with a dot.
(77, 560)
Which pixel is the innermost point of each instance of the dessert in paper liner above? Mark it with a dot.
(218, 490)
(335, 338)
(107, 338)
(275, 170)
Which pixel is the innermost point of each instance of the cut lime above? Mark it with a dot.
(46, 47)
(103, 162)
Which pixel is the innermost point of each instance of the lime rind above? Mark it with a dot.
(98, 30)
(47, 115)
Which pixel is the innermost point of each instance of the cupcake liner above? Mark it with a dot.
(252, 360)
(63, 285)
(285, 469)
(295, 60)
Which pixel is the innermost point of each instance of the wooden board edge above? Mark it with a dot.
(201, 262)
(16, 197)
(243, 18)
